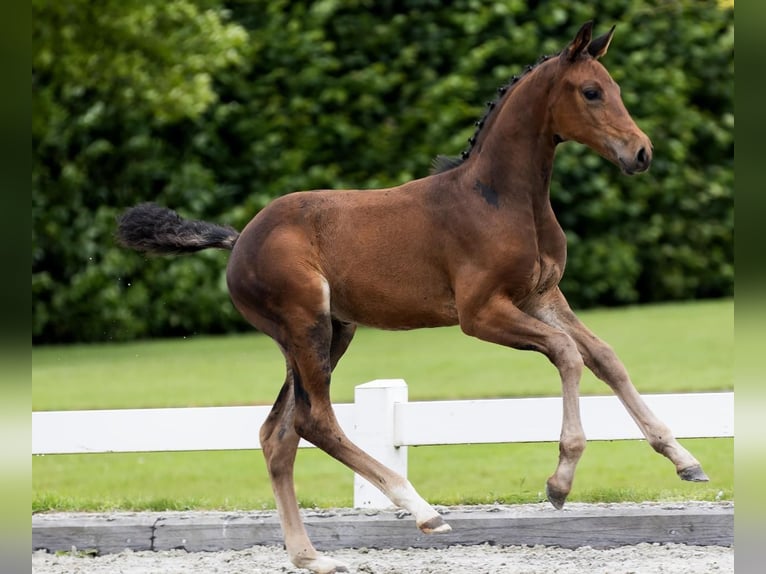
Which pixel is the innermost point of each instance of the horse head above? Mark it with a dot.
(586, 105)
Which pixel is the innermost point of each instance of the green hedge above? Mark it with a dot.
(215, 108)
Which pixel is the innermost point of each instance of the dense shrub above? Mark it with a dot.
(215, 108)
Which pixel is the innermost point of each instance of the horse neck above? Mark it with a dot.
(515, 155)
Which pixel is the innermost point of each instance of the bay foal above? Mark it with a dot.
(475, 244)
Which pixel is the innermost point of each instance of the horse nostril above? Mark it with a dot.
(642, 158)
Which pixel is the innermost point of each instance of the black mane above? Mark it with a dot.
(442, 163)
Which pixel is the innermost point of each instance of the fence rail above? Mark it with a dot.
(381, 420)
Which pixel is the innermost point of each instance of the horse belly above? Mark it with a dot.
(392, 302)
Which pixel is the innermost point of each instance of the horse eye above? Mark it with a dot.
(591, 94)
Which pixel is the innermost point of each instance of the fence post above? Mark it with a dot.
(374, 433)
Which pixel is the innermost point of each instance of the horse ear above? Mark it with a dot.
(581, 41)
(600, 45)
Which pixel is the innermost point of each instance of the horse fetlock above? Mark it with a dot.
(664, 443)
(426, 517)
(661, 443)
(572, 447)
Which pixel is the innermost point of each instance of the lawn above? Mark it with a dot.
(667, 348)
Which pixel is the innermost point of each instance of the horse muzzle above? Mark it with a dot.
(639, 163)
(632, 161)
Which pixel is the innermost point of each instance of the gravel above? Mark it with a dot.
(484, 559)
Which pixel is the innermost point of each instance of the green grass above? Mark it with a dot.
(509, 473)
(667, 348)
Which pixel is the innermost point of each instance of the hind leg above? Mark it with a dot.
(405, 496)
(298, 413)
(280, 444)
(313, 349)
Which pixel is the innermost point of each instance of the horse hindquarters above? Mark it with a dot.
(279, 289)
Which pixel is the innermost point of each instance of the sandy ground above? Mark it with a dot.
(485, 559)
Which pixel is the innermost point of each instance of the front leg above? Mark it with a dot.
(601, 359)
(498, 320)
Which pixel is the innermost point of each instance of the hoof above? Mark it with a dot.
(693, 474)
(322, 565)
(555, 497)
(435, 525)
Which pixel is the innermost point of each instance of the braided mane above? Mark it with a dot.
(442, 163)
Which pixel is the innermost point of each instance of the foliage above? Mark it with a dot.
(113, 83)
(215, 108)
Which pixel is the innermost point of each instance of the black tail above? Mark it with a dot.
(150, 228)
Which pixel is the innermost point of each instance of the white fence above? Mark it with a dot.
(381, 421)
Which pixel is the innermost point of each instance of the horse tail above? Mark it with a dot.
(150, 228)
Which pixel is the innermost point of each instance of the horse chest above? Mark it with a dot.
(551, 258)
(541, 267)
(548, 272)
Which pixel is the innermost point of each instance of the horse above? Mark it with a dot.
(475, 244)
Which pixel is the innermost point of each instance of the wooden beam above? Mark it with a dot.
(598, 526)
